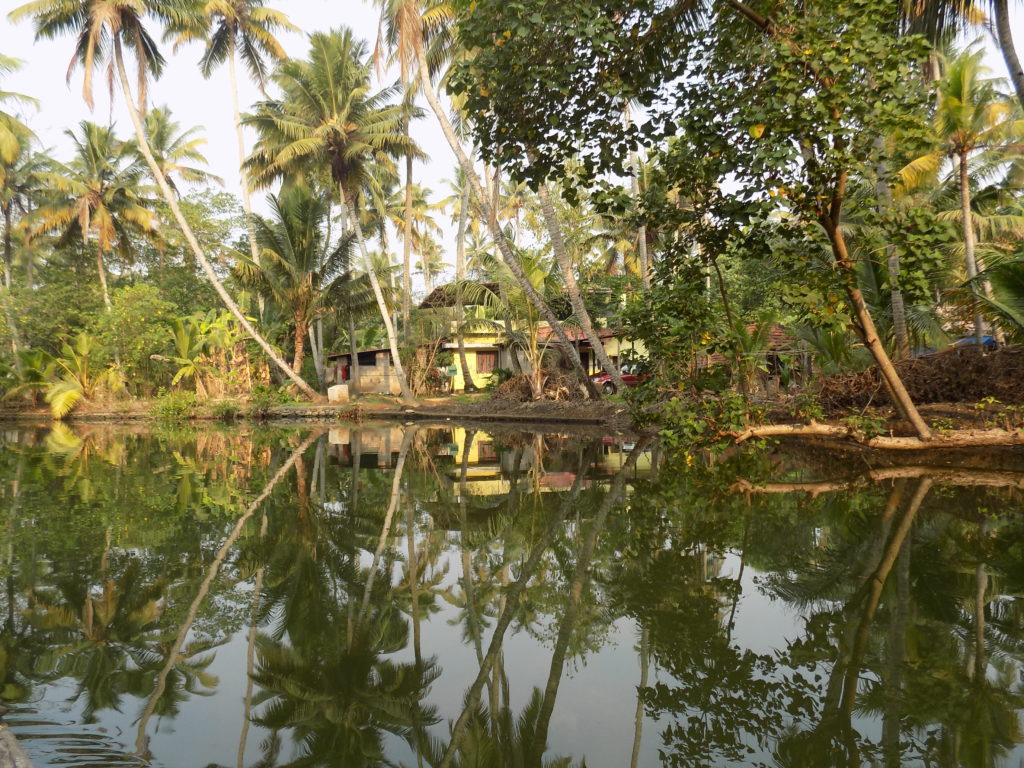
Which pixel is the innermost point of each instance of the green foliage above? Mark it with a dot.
(263, 398)
(174, 406)
(82, 374)
(226, 410)
(674, 319)
(135, 328)
(64, 303)
(805, 407)
(711, 423)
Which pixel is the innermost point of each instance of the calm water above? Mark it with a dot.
(438, 597)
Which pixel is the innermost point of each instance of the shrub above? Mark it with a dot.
(225, 410)
(174, 406)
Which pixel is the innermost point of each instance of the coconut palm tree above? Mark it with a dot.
(98, 195)
(972, 118)
(103, 28)
(943, 20)
(13, 132)
(420, 27)
(298, 267)
(329, 117)
(173, 149)
(246, 29)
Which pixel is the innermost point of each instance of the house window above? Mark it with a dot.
(486, 362)
(367, 359)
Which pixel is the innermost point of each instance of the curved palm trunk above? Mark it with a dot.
(572, 289)
(204, 263)
(460, 274)
(382, 305)
(1004, 34)
(507, 254)
(968, 230)
(142, 739)
(396, 487)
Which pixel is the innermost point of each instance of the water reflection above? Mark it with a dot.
(450, 597)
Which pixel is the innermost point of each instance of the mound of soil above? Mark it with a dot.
(557, 387)
(956, 375)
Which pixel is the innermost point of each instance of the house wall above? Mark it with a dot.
(380, 378)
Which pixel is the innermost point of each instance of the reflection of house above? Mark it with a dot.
(376, 373)
(365, 447)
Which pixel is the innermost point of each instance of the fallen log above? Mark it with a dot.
(939, 475)
(962, 438)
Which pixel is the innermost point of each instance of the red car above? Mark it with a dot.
(631, 377)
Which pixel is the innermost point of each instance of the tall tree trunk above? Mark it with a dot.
(172, 203)
(353, 350)
(250, 226)
(892, 260)
(407, 249)
(507, 254)
(8, 283)
(301, 328)
(869, 335)
(968, 230)
(572, 289)
(1004, 34)
(101, 268)
(641, 232)
(460, 275)
(352, 215)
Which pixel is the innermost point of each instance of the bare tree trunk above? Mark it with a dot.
(385, 314)
(572, 289)
(240, 136)
(892, 260)
(353, 350)
(101, 267)
(301, 327)
(204, 263)
(968, 231)
(8, 283)
(641, 232)
(407, 249)
(507, 254)
(460, 275)
(1004, 34)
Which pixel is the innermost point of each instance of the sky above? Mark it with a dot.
(192, 99)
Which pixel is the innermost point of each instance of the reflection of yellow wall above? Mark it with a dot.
(459, 435)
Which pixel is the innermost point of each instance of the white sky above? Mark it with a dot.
(192, 99)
